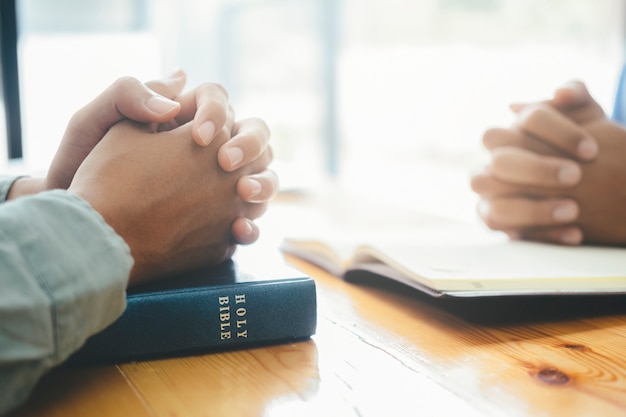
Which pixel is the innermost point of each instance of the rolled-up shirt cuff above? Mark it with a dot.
(6, 182)
(75, 260)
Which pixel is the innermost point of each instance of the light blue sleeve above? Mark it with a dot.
(5, 185)
(63, 274)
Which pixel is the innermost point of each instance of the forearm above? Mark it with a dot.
(63, 274)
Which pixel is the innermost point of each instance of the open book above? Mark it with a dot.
(444, 258)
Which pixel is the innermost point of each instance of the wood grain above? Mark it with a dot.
(378, 351)
(552, 367)
(84, 392)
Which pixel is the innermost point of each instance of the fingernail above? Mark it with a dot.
(249, 228)
(514, 235)
(255, 187)
(161, 105)
(484, 209)
(587, 148)
(565, 212)
(235, 156)
(569, 174)
(177, 73)
(206, 132)
(571, 237)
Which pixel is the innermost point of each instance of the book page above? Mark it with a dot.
(426, 250)
(331, 232)
(332, 257)
(489, 261)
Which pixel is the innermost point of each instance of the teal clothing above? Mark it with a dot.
(63, 275)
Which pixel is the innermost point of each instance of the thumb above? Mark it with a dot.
(126, 98)
(571, 95)
(171, 86)
(152, 102)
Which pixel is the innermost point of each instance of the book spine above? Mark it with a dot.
(197, 320)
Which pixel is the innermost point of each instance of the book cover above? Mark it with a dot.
(222, 307)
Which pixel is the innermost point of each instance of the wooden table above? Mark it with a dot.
(377, 352)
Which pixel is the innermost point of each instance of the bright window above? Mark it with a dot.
(387, 98)
(421, 80)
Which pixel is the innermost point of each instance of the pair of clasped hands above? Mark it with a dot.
(558, 174)
(172, 172)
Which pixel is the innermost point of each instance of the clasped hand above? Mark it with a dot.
(558, 174)
(173, 173)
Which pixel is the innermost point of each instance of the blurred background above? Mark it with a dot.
(386, 99)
